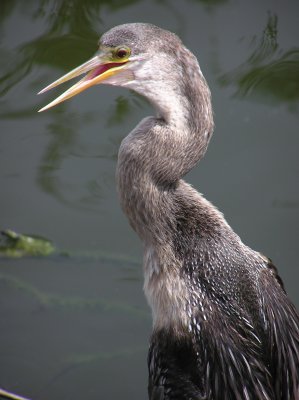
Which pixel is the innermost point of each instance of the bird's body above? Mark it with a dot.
(223, 326)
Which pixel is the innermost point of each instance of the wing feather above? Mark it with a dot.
(282, 335)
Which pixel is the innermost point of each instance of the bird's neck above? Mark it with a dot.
(161, 150)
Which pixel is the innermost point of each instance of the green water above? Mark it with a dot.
(76, 325)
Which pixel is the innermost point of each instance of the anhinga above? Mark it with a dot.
(223, 326)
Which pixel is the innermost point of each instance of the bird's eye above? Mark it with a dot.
(122, 52)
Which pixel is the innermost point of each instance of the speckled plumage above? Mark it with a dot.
(223, 327)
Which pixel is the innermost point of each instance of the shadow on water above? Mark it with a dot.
(269, 74)
(63, 131)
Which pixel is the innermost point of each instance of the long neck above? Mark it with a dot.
(162, 149)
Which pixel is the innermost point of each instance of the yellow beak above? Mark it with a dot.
(98, 69)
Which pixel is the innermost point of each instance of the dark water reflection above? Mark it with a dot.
(77, 326)
(269, 74)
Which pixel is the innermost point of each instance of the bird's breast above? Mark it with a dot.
(165, 290)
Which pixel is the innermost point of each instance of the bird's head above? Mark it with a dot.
(138, 56)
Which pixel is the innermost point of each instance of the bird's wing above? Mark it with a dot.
(225, 362)
(230, 356)
(282, 334)
(252, 362)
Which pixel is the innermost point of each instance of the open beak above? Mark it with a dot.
(98, 69)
